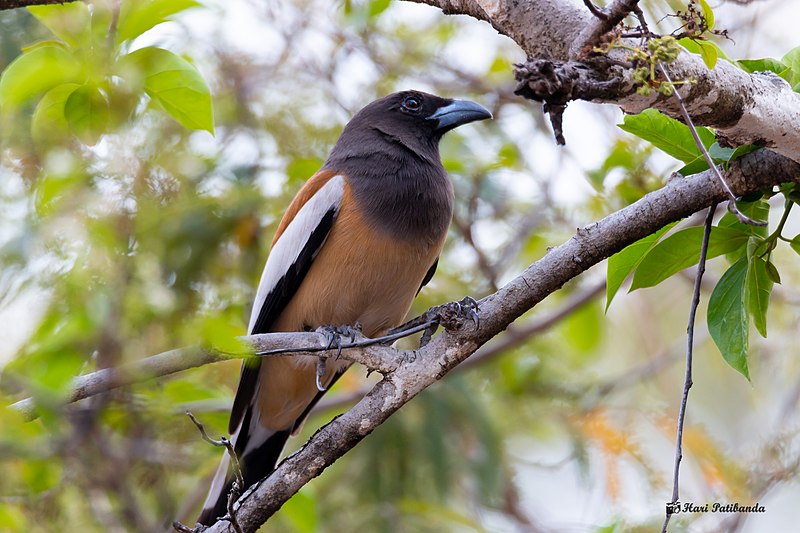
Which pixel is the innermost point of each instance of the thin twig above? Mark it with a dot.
(14, 4)
(238, 484)
(386, 339)
(596, 11)
(687, 380)
(731, 196)
(605, 21)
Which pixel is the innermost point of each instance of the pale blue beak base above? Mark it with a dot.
(458, 113)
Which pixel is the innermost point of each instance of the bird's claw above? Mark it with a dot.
(451, 315)
(321, 367)
(334, 335)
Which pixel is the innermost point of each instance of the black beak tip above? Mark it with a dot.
(457, 113)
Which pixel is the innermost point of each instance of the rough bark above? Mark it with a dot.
(744, 108)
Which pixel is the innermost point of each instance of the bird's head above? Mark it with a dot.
(413, 119)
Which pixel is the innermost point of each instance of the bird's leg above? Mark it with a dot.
(451, 315)
(334, 336)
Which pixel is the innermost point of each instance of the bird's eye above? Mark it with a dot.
(412, 103)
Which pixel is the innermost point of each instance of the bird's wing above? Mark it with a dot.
(429, 275)
(300, 235)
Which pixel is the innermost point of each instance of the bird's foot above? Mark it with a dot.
(334, 336)
(452, 315)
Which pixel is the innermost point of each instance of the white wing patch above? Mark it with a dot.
(291, 242)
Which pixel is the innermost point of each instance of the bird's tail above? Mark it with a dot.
(258, 450)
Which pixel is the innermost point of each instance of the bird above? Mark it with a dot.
(355, 246)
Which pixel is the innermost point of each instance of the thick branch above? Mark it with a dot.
(679, 198)
(744, 108)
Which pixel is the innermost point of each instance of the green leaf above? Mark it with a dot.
(621, 264)
(727, 317)
(792, 61)
(69, 22)
(86, 111)
(766, 64)
(795, 244)
(37, 72)
(174, 83)
(667, 134)
(682, 250)
(44, 44)
(708, 14)
(709, 51)
(773, 273)
(49, 122)
(220, 332)
(742, 151)
(758, 287)
(695, 166)
(718, 155)
(135, 18)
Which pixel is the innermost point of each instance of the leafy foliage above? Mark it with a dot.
(747, 283)
(71, 69)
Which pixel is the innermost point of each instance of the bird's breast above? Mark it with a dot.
(362, 275)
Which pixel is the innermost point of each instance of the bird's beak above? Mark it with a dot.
(458, 113)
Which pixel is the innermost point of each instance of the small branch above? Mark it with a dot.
(557, 83)
(14, 4)
(604, 21)
(596, 11)
(687, 381)
(363, 342)
(222, 442)
(238, 484)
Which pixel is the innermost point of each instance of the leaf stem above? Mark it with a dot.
(787, 208)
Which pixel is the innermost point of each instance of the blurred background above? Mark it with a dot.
(149, 236)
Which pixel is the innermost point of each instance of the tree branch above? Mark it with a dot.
(604, 21)
(362, 350)
(759, 108)
(14, 4)
(591, 244)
